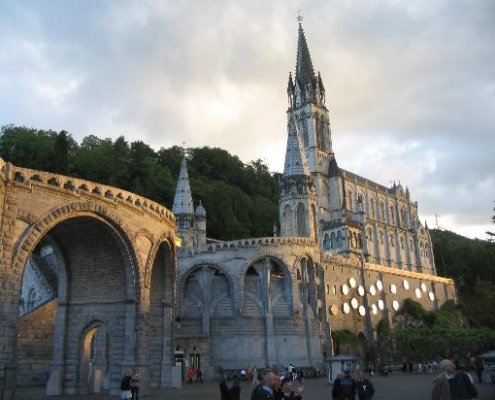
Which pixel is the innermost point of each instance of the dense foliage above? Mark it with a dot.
(240, 199)
(471, 263)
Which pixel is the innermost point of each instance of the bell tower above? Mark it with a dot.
(307, 110)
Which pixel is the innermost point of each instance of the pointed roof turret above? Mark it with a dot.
(333, 168)
(183, 204)
(290, 85)
(296, 162)
(304, 67)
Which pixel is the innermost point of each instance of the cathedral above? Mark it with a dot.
(348, 253)
(345, 254)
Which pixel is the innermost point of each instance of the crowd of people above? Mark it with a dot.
(269, 385)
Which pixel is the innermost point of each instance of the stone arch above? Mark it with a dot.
(214, 299)
(30, 238)
(254, 285)
(104, 278)
(94, 357)
(158, 327)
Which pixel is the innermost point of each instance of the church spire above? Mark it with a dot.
(183, 204)
(304, 67)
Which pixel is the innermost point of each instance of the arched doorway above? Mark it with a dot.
(89, 265)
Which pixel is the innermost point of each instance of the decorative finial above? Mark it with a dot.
(299, 16)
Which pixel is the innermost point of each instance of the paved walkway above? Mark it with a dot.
(393, 387)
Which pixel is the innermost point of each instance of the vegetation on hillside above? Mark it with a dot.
(241, 200)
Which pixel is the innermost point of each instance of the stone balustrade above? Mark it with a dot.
(78, 187)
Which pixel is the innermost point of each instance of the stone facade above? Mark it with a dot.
(89, 271)
(104, 260)
(350, 252)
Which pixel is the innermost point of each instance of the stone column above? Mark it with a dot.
(54, 386)
(167, 346)
(270, 347)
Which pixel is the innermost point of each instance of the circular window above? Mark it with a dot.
(374, 309)
(431, 295)
(346, 308)
(379, 285)
(334, 310)
(362, 311)
(417, 292)
(345, 289)
(352, 283)
(393, 288)
(361, 290)
(405, 284)
(381, 304)
(372, 290)
(423, 287)
(395, 305)
(354, 303)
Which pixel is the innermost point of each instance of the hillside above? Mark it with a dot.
(241, 200)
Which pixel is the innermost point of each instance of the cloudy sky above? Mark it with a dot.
(410, 84)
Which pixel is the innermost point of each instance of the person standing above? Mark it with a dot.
(364, 386)
(135, 384)
(344, 386)
(224, 389)
(265, 391)
(288, 393)
(451, 385)
(125, 387)
(235, 389)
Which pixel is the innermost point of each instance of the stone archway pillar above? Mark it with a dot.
(8, 367)
(270, 346)
(167, 346)
(54, 386)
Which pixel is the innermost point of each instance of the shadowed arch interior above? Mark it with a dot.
(94, 273)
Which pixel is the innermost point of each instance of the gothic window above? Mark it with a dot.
(391, 240)
(402, 243)
(380, 237)
(392, 215)
(328, 289)
(302, 222)
(382, 211)
(334, 289)
(359, 241)
(372, 208)
(288, 221)
(333, 241)
(321, 132)
(340, 239)
(304, 129)
(326, 242)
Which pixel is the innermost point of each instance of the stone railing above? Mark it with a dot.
(78, 187)
(258, 242)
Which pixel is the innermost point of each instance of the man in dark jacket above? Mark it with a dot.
(365, 388)
(344, 387)
(264, 391)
